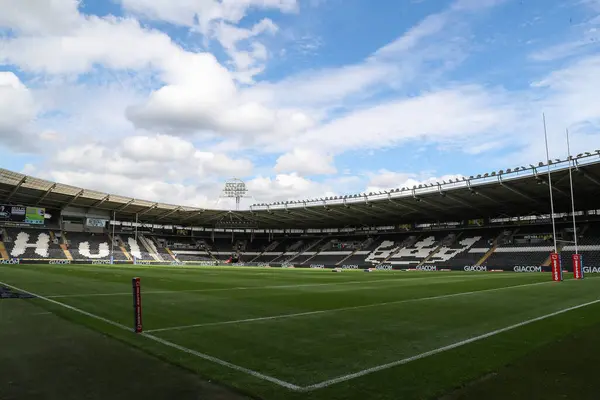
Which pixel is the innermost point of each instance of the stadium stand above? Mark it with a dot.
(32, 244)
(162, 248)
(588, 246)
(92, 246)
(497, 220)
(468, 249)
(526, 246)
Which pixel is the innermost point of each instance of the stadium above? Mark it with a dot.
(458, 300)
(299, 199)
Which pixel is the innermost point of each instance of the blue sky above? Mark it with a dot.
(167, 99)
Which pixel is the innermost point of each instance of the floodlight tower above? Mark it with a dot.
(235, 189)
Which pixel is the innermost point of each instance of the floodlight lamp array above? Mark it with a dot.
(500, 175)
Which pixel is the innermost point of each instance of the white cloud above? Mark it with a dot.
(198, 92)
(474, 5)
(305, 162)
(564, 50)
(150, 157)
(422, 52)
(223, 165)
(91, 41)
(196, 106)
(593, 4)
(218, 20)
(202, 13)
(583, 37)
(35, 16)
(78, 111)
(140, 188)
(568, 98)
(305, 120)
(573, 91)
(385, 180)
(431, 25)
(286, 187)
(250, 62)
(437, 116)
(17, 110)
(157, 148)
(323, 87)
(158, 168)
(282, 187)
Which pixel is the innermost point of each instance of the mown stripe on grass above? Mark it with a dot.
(382, 367)
(60, 296)
(333, 310)
(164, 342)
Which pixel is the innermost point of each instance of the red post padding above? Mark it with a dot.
(577, 266)
(137, 305)
(557, 274)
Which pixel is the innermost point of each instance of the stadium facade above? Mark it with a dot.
(497, 221)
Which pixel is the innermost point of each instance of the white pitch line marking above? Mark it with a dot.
(302, 314)
(207, 357)
(258, 287)
(330, 382)
(382, 367)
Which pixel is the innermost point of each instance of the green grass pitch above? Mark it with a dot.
(297, 334)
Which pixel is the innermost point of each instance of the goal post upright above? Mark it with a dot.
(576, 258)
(555, 259)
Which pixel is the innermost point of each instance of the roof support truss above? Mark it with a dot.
(147, 210)
(363, 210)
(520, 193)
(346, 215)
(429, 203)
(316, 211)
(460, 201)
(392, 208)
(217, 216)
(100, 202)
(589, 176)
(305, 214)
(16, 189)
(76, 197)
(192, 215)
(264, 217)
(385, 212)
(554, 187)
(288, 214)
(413, 208)
(485, 196)
(124, 206)
(169, 213)
(50, 189)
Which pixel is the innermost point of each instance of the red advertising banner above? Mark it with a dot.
(577, 266)
(557, 274)
(137, 305)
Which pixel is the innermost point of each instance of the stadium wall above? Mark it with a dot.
(382, 267)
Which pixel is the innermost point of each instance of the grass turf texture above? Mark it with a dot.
(369, 320)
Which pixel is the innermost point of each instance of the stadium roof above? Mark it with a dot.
(513, 192)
